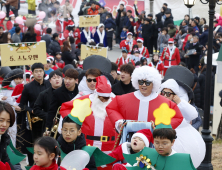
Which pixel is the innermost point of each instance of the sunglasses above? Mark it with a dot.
(147, 83)
(168, 94)
(90, 80)
(105, 98)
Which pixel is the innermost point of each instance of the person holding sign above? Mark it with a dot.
(100, 35)
(86, 36)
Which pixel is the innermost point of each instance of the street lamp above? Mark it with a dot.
(189, 3)
(206, 164)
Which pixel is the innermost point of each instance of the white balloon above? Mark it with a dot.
(77, 159)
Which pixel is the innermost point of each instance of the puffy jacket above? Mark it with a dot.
(93, 11)
(202, 79)
(67, 57)
(54, 47)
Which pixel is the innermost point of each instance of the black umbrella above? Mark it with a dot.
(16, 73)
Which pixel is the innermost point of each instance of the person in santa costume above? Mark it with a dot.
(11, 21)
(69, 30)
(100, 35)
(23, 26)
(140, 104)
(143, 50)
(86, 36)
(124, 59)
(170, 55)
(156, 63)
(77, 36)
(128, 43)
(61, 27)
(54, 67)
(139, 140)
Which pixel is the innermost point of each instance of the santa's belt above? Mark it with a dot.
(101, 138)
(170, 60)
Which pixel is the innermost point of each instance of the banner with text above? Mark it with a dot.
(87, 51)
(89, 21)
(18, 54)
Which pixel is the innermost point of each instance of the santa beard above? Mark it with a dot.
(99, 108)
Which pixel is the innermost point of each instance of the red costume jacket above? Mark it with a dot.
(130, 107)
(1, 23)
(60, 28)
(144, 52)
(120, 61)
(170, 60)
(159, 66)
(9, 25)
(128, 46)
(77, 36)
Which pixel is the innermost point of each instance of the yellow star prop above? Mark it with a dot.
(163, 114)
(81, 109)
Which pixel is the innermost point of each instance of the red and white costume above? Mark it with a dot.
(60, 28)
(143, 50)
(10, 23)
(128, 45)
(120, 61)
(68, 33)
(77, 37)
(1, 23)
(22, 26)
(170, 56)
(159, 66)
(96, 126)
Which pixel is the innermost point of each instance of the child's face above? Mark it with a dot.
(70, 132)
(155, 58)
(137, 54)
(137, 144)
(163, 146)
(124, 29)
(13, 18)
(18, 81)
(41, 157)
(58, 56)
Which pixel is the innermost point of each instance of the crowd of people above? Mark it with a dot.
(80, 105)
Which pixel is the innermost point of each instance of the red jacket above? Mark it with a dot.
(159, 66)
(38, 35)
(93, 12)
(60, 64)
(185, 41)
(120, 61)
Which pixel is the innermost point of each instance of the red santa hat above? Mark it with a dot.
(171, 41)
(145, 135)
(102, 87)
(71, 24)
(11, 14)
(39, 21)
(140, 40)
(51, 58)
(17, 91)
(24, 19)
(129, 33)
(28, 72)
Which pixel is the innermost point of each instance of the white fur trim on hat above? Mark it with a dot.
(170, 84)
(143, 137)
(129, 33)
(146, 73)
(101, 25)
(139, 40)
(103, 94)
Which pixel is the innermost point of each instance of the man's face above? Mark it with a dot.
(167, 15)
(56, 81)
(93, 6)
(103, 99)
(163, 146)
(183, 23)
(129, 36)
(91, 82)
(150, 17)
(193, 24)
(125, 77)
(18, 81)
(164, 6)
(195, 39)
(101, 10)
(69, 83)
(46, 66)
(124, 55)
(101, 29)
(137, 144)
(167, 93)
(121, 7)
(170, 44)
(70, 132)
(145, 89)
(114, 74)
(128, 14)
(38, 74)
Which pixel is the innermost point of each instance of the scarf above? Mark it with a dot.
(87, 35)
(101, 36)
(172, 50)
(130, 43)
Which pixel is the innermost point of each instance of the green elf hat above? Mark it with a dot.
(81, 109)
(14, 155)
(82, 158)
(163, 116)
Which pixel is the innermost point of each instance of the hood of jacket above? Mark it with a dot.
(68, 147)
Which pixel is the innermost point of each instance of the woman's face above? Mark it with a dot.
(4, 122)
(9, 36)
(186, 17)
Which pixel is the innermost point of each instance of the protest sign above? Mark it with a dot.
(87, 51)
(18, 54)
(89, 21)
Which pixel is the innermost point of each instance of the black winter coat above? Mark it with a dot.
(168, 21)
(59, 96)
(5, 141)
(29, 38)
(202, 79)
(119, 88)
(47, 38)
(198, 50)
(67, 57)
(196, 91)
(42, 103)
(79, 143)
(54, 47)
(147, 31)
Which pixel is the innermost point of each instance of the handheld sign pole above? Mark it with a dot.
(24, 74)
